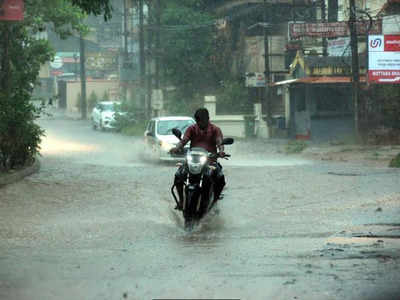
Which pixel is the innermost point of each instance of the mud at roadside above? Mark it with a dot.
(376, 156)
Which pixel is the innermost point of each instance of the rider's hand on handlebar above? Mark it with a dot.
(173, 150)
(222, 154)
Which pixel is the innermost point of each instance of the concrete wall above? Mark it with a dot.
(235, 125)
(98, 86)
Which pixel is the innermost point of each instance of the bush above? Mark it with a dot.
(134, 130)
(395, 162)
(20, 137)
(106, 96)
(295, 146)
(78, 103)
(92, 101)
(124, 121)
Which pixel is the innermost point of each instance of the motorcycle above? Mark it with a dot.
(199, 186)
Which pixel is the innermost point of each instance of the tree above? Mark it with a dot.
(21, 56)
(188, 37)
(95, 7)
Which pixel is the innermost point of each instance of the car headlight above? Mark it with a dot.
(166, 146)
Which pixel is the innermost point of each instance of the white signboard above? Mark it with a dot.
(57, 62)
(255, 80)
(384, 59)
(339, 47)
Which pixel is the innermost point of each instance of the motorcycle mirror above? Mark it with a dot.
(227, 141)
(177, 133)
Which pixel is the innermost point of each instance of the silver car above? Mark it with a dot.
(159, 137)
(103, 114)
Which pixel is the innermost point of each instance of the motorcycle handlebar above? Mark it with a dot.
(217, 155)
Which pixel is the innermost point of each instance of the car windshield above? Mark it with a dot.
(110, 107)
(165, 127)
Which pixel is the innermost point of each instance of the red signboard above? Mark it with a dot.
(392, 43)
(11, 10)
(384, 59)
(332, 30)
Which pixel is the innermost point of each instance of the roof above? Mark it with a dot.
(319, 80)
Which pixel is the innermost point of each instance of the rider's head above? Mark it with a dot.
(201, 116)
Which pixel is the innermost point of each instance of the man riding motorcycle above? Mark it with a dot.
(206, 135)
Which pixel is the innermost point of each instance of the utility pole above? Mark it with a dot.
(83, 77)
(142, 59)
(158, 44)
(125, 55)
(150, 57)
(324, 40)
(267, 73)
(354, 64)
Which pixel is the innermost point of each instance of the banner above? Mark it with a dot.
(331, 30)
(384, 59)
(11, 10)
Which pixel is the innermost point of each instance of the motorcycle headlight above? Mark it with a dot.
(203, 159)
(197, 159)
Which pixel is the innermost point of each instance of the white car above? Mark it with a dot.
(103, 114)
(159, 138)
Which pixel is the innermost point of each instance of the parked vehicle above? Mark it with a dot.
(104, 114)
(159, 139)
(199, 188)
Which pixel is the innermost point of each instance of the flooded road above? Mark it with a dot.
(98, 222)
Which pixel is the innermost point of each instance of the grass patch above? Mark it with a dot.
(295, 146)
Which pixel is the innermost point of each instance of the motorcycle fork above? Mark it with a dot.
(194, 183)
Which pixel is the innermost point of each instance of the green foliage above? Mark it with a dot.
(295, 146)
(382, 106)
(391, 105)
(78, 103)
(95, 7)
(178, 104)
(106, 96)
(92, 101)
(395, 162)
(19, 135)
(188, 35)
(22, 55)
(233, 98)
(136, 129)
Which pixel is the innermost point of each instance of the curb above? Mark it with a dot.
(16, 175)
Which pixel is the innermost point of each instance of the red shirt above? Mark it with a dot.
(207, 139)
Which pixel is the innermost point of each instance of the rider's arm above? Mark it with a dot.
(218, 139)
(183, 141)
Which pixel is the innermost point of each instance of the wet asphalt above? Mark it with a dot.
(97, 222)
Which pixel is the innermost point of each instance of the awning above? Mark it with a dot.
(318, 80)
